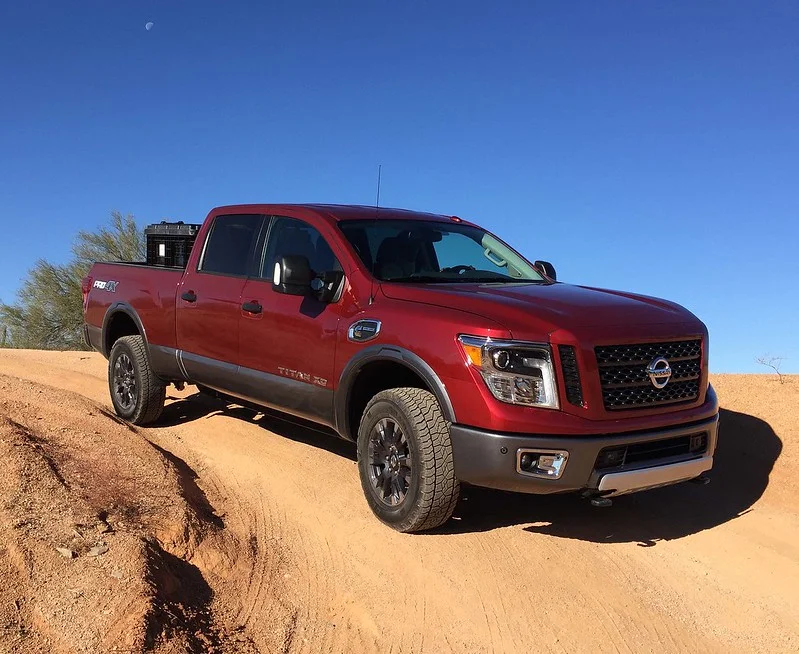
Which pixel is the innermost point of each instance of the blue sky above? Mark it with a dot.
(647, 146)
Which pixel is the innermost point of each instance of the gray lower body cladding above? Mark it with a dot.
(304, 400)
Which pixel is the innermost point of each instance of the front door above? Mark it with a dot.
(287, 342)
(209, 301)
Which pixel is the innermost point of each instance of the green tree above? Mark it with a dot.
(48, 313)
(122, 240)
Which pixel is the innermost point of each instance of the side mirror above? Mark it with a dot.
(292, 275)
(547, 268)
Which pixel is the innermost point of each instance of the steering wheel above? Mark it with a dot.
(458, 270)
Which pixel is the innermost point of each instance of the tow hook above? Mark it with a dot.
(597, 500)
(702, 480)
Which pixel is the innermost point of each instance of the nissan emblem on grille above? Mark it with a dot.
(659, 372)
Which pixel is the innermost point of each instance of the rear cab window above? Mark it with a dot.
(230, 245)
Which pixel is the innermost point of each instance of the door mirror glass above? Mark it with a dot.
(292, 275)
(547, 268)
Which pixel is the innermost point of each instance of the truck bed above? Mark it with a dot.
(151, 289)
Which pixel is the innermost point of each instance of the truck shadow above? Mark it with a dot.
(745, 456)
(747, 450)
(198, 406)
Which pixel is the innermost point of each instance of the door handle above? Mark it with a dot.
(252, 307)
(189, 296)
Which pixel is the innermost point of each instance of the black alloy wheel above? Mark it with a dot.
(124, 382)
(390, 462)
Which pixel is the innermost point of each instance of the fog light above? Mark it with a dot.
(548, 464)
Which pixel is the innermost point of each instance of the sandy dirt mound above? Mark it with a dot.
(290, 559)
(97, 526)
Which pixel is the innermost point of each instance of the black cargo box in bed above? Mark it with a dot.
(169, 244)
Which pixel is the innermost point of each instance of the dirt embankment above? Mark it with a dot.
(97, 528)
(235, 532)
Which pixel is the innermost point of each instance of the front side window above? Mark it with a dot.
(292, 237)
(228, 250)
(430, 252)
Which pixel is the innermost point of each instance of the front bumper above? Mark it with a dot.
(490, 459)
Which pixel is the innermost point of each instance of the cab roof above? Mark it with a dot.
(341, 212)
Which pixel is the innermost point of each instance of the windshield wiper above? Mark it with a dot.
(506, 280)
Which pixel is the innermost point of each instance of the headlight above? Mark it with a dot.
(514, 371)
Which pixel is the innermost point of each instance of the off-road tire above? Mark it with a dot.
(433, 489)
(150, 390)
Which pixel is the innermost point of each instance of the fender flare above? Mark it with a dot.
(394, 354)
(114, 309)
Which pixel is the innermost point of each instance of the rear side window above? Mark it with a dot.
(229, 248)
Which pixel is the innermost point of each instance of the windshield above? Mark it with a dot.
(430, 252)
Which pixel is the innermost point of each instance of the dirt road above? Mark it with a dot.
(298, 563)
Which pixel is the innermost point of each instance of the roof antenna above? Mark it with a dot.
(377, 211)
(379, 175)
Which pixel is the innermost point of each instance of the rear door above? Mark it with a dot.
(287, 342)
(209, 300)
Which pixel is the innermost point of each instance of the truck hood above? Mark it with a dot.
(533, 310)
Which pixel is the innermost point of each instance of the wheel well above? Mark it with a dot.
(120, 324)
(373, 378)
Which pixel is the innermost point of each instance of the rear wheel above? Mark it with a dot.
(136, 392)
(405, 460)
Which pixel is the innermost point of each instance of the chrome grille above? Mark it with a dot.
(626, 385)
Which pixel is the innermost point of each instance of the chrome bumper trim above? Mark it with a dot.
(620, 483)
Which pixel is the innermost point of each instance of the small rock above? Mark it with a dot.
(116, 574)
(65, 552)
(97, 550)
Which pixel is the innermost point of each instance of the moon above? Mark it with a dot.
(148, 25)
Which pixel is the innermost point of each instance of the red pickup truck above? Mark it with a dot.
(442, 352)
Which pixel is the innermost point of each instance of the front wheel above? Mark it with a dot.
(405, 460)
(136, 392)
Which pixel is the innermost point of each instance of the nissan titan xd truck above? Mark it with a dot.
(436, 347)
